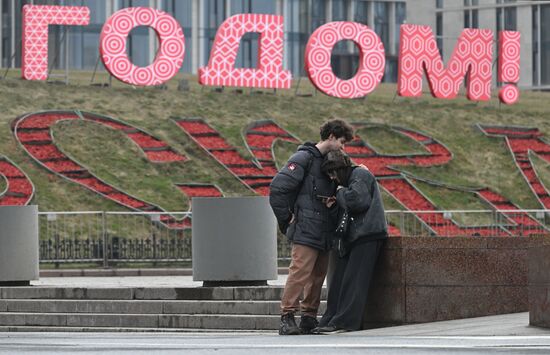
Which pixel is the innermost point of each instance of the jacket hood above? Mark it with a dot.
(311, 148)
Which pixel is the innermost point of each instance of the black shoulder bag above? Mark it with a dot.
(341, 234)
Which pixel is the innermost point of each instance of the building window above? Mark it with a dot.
(439, 32)
(339, 12)
(318, 14)
(506, 16)
(297, 35)
(182, 11)
(361, 13)
(214, 15)
(382, 21)
(471, 16)
(400, 18)
(544, 44)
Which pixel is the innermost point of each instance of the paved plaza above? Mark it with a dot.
(508, 333)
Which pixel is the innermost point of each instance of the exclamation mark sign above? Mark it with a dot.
(508, 66)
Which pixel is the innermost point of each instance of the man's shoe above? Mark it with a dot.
(308, 323)
(288, 325)
(329, 329)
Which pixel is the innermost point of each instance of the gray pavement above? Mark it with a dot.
(508, 334)
(488, 335)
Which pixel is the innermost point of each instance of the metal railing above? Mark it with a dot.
(117, 237)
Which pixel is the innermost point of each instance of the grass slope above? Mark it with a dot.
(478, 161)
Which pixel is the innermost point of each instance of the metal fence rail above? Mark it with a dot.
(115, 237)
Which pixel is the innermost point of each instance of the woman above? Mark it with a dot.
(359, 196)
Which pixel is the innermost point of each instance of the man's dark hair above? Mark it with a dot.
(338, 128)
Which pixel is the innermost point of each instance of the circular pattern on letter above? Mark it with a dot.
(169, 58)
(371, 59)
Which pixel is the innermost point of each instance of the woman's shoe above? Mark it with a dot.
(329, 329)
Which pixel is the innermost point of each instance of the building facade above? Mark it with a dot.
(78, 46)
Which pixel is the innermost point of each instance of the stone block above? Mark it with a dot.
(184, 293)
(112, 320)
(216, 307)
(45, 319)
(3, 305)
(108, 294)
(409, 243)
(27, 292)
(267, 322)
(258, 293)
(385, 305)
(389, 268)
(468, 266)
(539, 286)
(539, 265)
(539, 306)
(509, 242)
(437, 303)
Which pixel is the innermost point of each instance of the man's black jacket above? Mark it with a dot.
(297, 189)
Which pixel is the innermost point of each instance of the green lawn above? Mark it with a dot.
(478, 161)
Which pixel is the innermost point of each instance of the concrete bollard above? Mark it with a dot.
(18, 245)
(234, 241)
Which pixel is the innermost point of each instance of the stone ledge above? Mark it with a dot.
(539, 286)
(427, 279)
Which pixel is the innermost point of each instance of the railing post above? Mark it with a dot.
(104, 238)
(154, 249)
(56, 241)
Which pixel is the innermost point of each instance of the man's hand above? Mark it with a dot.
(292, 219)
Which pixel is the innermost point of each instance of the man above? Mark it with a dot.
(301, 196)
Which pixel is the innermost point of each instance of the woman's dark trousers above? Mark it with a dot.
(349, 286)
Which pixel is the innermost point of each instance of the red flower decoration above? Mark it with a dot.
(212, 142)
(194, 127)
(96, 185)
(45, 152)
(163, 156)
(37, 136)
(62, 166)
(9, 170)
(146, 141)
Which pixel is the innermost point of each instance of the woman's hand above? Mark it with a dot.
(330, 201)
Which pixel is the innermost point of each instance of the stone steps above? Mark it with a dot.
(187, 309)
(206, 321)
(266, 293)
(124, 330)
(141, 307)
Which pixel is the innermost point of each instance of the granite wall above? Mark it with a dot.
(426, 279)
(539, 285)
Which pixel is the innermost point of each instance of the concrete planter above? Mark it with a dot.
(18, 244)
(234, 241)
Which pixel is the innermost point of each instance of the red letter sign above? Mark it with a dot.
(508, 65)
(169, 57)
(371, 59)
(36, 18)
(472, 55)
(221, 69)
